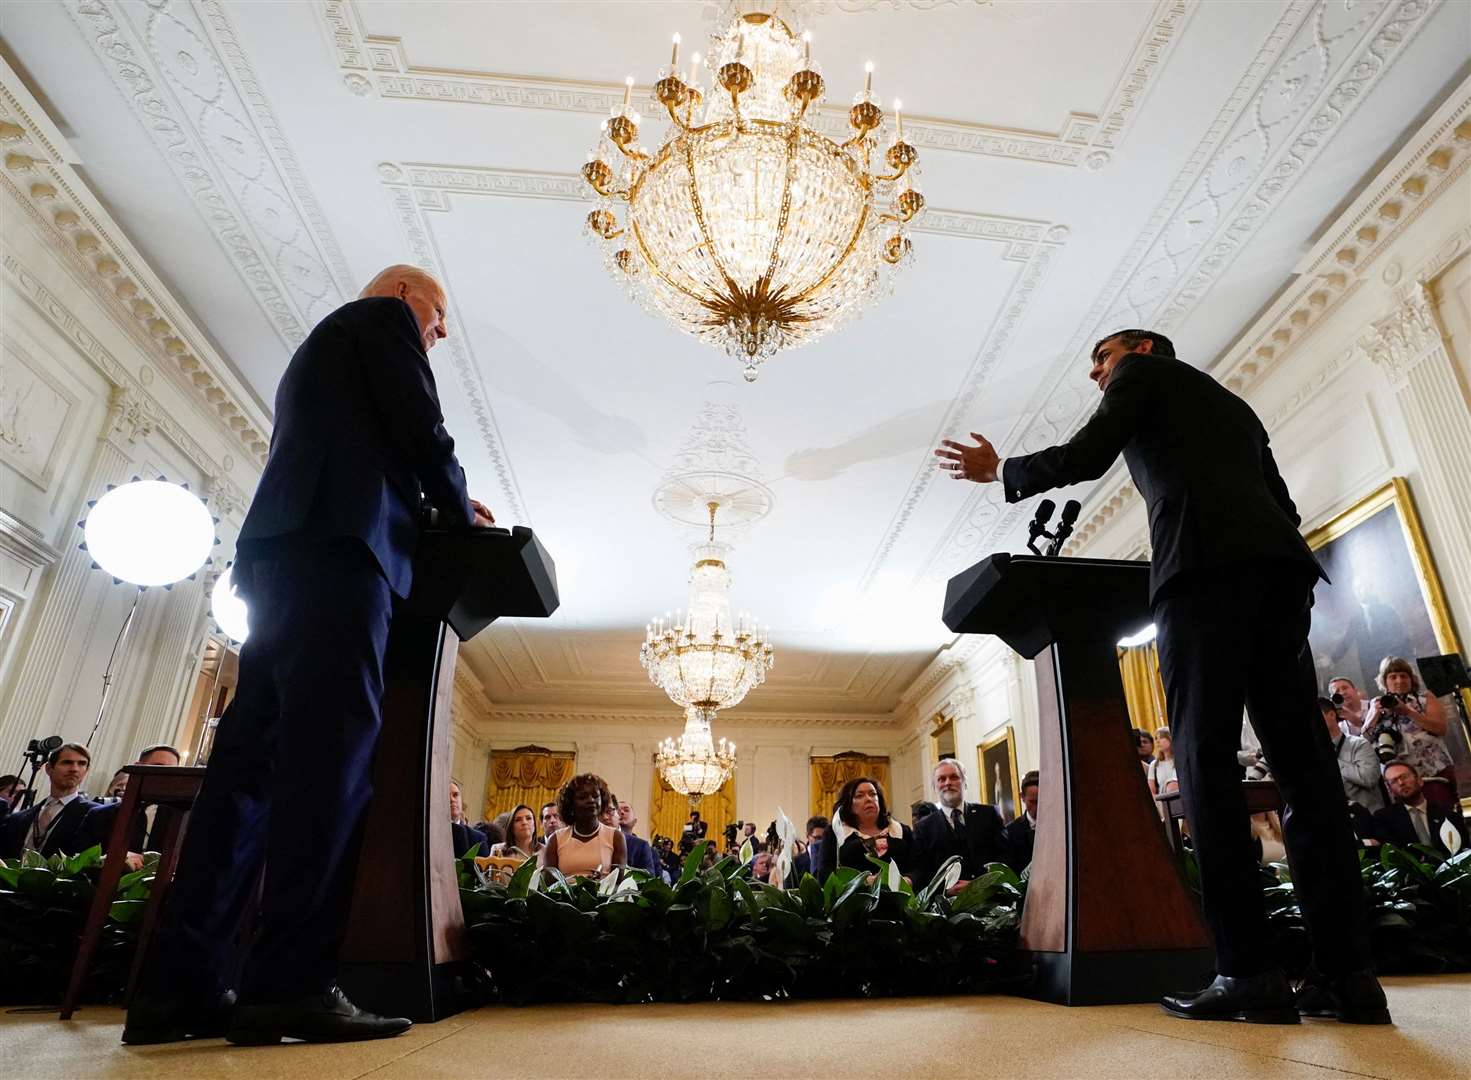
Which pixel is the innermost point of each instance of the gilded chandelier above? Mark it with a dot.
(705, 659)
(748, 227)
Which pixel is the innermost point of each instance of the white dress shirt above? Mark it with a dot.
(45, 818)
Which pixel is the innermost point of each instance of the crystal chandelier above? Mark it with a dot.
(748, 227)
(705, 659)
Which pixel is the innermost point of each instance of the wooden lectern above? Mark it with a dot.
(1108, 918)
(406, 950)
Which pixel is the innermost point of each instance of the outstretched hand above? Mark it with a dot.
(963, 462)
(483, 516)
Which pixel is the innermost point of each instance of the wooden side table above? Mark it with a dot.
(173, 786)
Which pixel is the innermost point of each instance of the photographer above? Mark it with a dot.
(1404, 723)
(1357, 764)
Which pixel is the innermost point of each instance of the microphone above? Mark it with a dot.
(1038, 527)
(1070, 511)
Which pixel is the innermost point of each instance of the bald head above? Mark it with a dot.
(420, 291)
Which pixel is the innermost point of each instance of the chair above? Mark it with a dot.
(173, 786)
(1262, 797)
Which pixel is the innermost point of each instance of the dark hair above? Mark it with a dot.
(920, 810)
(1162, 346)
(843, 808)
(817, 821)
(694, 813)
(1140, 735)
(511, 827)
(1326, 705)
(1401, 762)
(552, 804)
(160, 748)
(8, 779)
(567, 797)
(1032, 779)
(64, 747)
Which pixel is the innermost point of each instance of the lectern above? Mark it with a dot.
(406, 950)
(1108, 919)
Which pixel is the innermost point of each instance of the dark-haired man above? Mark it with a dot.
(1411, 819)
(1231, 588)
(551, 819)
(51, 825)
(1021, 834)
(806, 863)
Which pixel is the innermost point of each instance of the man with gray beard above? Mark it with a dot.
(974, 831)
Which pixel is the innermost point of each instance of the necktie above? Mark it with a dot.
(1422, 826)
(44, 817)
(956, 821)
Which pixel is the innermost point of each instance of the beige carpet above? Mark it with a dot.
(945, 1038)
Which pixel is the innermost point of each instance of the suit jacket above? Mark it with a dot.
(1020, 839)
(1200, 458)
(466, 838)
(984, 842)
(641, 854)
(97, 826)
(1392, 826)
(358, 441)
(62, 837)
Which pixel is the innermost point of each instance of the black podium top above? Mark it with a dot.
(1030, 602)
(471, 577)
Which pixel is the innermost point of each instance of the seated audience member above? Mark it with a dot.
(1144, 744)
(1410, 818)
(117, 785)
(1357, 764)
(51, 825)
(466, 838)
(1161, 771)
(1354, 709)
(919, 811)
(804, 863)
(1410, 725)
(551, 820)
(862, 826)
(1021, 834)
(587, 846)
(640, 852)
(974, 831)
(145, 832)
(12, 788)
(522, 842)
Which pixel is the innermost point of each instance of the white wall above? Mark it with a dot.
(102, 377)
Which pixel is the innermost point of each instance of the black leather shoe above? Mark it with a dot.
(325, 1017)
(1355, 998)
(151, 1020)
(1260, 999)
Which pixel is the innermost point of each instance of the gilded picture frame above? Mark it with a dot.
(1378, 557)
(997, 781)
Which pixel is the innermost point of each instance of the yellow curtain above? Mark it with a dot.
(1144, 690)
(528, 774)
(669, 811)
(829, 774)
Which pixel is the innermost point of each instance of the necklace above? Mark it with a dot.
(579, 836)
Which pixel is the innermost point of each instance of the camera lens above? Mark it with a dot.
(1337, 699)
(1388, 701)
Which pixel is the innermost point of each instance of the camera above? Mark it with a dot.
(39, 750)
(1336, 698)
(1389, 701)
(733, 830)
(1387, 744)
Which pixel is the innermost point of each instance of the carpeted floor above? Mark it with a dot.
(947, 1038)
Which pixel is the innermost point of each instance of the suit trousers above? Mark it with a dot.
(1238, 635)
(288, 785)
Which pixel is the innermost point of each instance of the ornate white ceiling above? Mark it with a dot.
(1089, 165)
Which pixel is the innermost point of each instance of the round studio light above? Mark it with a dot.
(149, 532)
(229, 611)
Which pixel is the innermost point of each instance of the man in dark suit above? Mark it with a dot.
(51, 824)
(1410, 819)
(97, 826)
(806, 863)
(1021, 834)
(640, 852)
(974, 831)
(358, 448)
(1231, 586)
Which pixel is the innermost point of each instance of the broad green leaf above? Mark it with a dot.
(520, 883)
(692, 861)
(975, 894)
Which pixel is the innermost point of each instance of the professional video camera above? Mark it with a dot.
(1388, 743)
(733, 830)
(38, 751)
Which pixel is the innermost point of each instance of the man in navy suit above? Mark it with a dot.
(1411, 818)
(806, 862)
(640, 852)
(1231, 589)
(974, 831)
(358, 448)
(52, 824)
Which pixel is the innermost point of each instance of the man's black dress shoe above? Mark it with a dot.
(1259, 999)
(152, 1020)
(324, 1017)
(1355, 998)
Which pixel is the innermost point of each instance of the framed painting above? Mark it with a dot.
(998, 780)
(1385, 600)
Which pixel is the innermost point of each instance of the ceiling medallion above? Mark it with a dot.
(705, 659)
(748, 227)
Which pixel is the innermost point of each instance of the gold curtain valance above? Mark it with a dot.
(669, 811)
(1144, 689)
(528, 774)
(829, 774)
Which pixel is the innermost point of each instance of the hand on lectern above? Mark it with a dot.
(483, 517)
(963, 462)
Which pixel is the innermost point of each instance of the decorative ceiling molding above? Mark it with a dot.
(1319, 63)
(409, 204)
(184, 74)
(379, 65)
(69, 218)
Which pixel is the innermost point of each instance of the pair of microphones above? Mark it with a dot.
(1038, 528)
